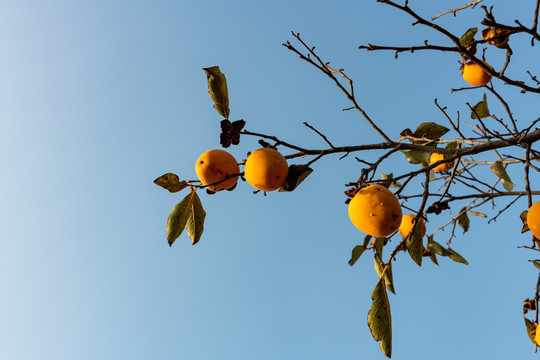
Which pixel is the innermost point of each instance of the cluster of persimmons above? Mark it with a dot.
(265, 169)
(374, 209)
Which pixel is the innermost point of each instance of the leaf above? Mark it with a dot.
(379, 318)
(523, 217)
(367, 239)
(414, 244)
(217, 90)
(388, 181)
(468, 38)
(463, 220)
(388, 278)
(295, 176)
(536, 263)
(379, 244)
(433, 258)
(499, 170)
(187, 213)
(416, 157)
(436, 248)
(430, 130)
(495, 36)
(530, 327)
(456, 257)
(476, 213)
(171, 182)
(528, 305)
(356, 253)
(452, 145)
(481, 109)
(195, 223)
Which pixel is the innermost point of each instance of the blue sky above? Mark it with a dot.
(99, 98)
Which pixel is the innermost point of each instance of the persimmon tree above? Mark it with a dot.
(447, 180)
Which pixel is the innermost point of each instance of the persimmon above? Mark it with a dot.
(533, 219)
(442, 167)
(266, 169)
(407, 225)
(375, 211)
(537, 335)
(217, 166)
(475, 75)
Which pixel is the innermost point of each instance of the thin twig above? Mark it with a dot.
(503, 210)
(505, 105)
(321, 135)
(527, 182)
(454, 11)
(326, 69)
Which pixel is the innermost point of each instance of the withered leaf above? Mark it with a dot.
(295, 176)
(463, 220)
(171, 182)
(217, 90)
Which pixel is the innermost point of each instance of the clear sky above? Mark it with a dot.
(98, 98)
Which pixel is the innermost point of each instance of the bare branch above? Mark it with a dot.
(326, 69)
(321, 135)
(454, 11)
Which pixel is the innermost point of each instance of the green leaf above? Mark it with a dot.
(414, 244)
(456, 257)
(468, 38)
(367, 240)
(499, 170)
(463, 220)
(452, 145)
(356, 253)
(296, 174)
(430, 130)
(388, 278)
(187, 213)
(416, 157)
(433, 258)
(379, 243)
(217, 90)
(536, 263)
(481, 109)
(195, 223)
(436, 248)
(388, 181)
(379, 318)
(171, 182)
(530, 327)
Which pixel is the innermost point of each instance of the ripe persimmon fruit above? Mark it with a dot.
(217, 166)
(407, 225)
(266, 169)
(375, 211)
(442, 167)
(533, 219)
(537, 335)
(475, 75)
